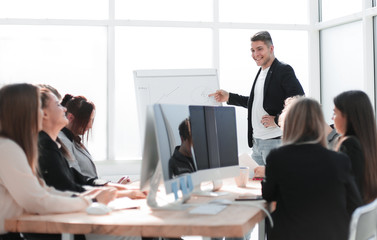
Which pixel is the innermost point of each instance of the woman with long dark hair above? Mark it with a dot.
(80, 114)
(354, 120)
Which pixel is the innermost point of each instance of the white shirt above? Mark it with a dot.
(21, 192)
(257, 111)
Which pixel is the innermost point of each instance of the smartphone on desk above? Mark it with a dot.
(249, 198)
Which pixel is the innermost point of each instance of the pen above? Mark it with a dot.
(124, 179)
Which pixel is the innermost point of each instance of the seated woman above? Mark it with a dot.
(53, 166)
(312, 185)
(354, 120)
(21, 190)
(80, 114)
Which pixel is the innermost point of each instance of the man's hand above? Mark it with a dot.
(259, 171)
(268, 121)
(220, 95)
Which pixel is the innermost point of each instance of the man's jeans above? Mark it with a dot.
(261, 149)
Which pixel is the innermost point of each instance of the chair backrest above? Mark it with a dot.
(363, 224)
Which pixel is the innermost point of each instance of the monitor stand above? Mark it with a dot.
(178, 204)
(210, 192)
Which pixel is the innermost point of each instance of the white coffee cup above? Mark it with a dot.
(243, 177)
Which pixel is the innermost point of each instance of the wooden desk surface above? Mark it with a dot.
(233, 221)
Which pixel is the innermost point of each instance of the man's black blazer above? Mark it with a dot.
(281, 83)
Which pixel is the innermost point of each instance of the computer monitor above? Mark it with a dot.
(213, 153)
(214, 137)
(161, 138)
(168, 119)
(150, 158)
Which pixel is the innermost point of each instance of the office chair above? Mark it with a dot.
(363, 224)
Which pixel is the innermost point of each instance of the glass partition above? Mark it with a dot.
(341, 63)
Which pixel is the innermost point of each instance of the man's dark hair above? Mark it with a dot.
(184, 129)
(263, 36)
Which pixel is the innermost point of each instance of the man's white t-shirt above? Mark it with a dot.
(257, 111)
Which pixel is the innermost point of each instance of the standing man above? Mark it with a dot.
(274, 82)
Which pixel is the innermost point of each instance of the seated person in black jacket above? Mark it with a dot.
(182, 162)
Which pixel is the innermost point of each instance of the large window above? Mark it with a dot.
(332, 9)
(271, 11)
(54, 9)
(71, 59)
(164, 10)
(342, 66)
(92, 47)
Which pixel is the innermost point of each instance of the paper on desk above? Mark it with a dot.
(123, 203)
(208, 209)
(245, 160)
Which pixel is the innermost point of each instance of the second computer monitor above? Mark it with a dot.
(214, 136)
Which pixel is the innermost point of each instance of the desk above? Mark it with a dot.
(233, 221)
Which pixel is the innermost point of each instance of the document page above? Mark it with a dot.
(208, 209)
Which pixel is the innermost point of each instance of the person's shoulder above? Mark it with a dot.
(43, 137)
(173, 159)
(281, 65)
(333, 154)
(339, 160)
(45, 141)
(64, 138)
(9, 149)
(8, 145)
(289, 149)
(351, 143)
(67, 134)
(280, 149)
(352, 140)
(335, 157)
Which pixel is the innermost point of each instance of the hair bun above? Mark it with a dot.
(66, 98)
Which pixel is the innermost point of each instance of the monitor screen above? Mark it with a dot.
(214, 136)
